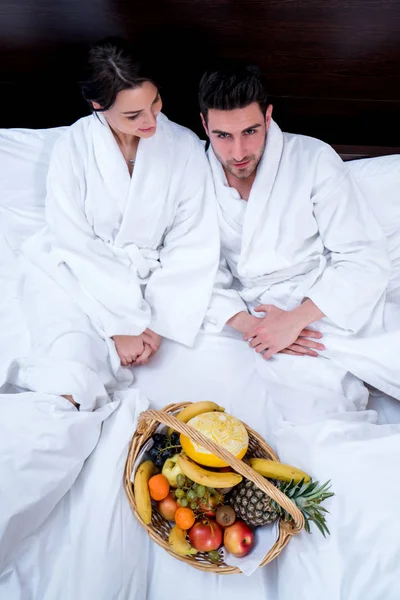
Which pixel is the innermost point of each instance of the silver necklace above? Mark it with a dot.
(131, 161)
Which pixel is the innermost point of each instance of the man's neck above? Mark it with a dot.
(242, 186)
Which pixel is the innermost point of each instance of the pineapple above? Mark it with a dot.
(257, 508)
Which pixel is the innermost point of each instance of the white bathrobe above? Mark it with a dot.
(306, 232)
(119, 254)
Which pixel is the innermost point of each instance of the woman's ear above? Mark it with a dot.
(96, 105)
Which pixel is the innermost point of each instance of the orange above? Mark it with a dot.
(158, 487)
(184, 518)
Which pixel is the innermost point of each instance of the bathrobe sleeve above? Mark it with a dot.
(109, 279)
(358, 267)
(225, 301)
(179, 291)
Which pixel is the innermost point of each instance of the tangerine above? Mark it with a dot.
(158, 487)
(184, 518)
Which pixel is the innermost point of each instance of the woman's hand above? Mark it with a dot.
(152, 343)
(155, 339)
(128, 347)
(137, 349)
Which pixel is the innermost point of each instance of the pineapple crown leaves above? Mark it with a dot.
(308, 497)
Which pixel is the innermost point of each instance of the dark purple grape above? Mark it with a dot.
(153, 452)
(159, 439)
(175, 439)
(159, 461)
(165, 454)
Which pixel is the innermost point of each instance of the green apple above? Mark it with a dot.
(171, 470)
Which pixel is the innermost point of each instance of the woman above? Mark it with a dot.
(131, 239)
(128, 256)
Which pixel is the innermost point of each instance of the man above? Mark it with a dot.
(302, 248)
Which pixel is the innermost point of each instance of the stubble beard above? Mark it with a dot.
(249, 170)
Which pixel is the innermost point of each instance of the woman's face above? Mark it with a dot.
(135, 111)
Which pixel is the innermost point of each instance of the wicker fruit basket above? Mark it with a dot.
(159, 528)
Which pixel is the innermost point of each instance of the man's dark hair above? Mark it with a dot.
(230, 87)
(111, 67)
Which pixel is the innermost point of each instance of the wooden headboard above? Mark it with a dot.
(333, 66)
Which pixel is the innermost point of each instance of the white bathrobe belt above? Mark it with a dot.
(144, 260)
(270, 279)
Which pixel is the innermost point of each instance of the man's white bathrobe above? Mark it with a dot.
(306, 232)
(126, 254)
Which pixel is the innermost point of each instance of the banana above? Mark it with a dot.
(207, 478)
(277, 470)
(141, 490)
(196, 408)
(178, 542)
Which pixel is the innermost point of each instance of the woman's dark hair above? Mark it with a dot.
(111, 67)
(230, 87)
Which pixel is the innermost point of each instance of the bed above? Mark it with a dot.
(82, 540)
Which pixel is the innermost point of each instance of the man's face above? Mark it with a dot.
(238, 137)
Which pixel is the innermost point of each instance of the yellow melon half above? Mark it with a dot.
(222, 428)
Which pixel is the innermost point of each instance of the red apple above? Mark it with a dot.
(168, 507)
(205, 535)
(238, 539)
(208, 505)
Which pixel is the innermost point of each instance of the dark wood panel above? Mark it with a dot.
(332, 65)
(357, 152)
(341, 121)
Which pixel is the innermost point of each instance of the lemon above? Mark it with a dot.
(224, 429)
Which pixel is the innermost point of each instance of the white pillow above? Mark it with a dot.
(24, 161)
(379, 181)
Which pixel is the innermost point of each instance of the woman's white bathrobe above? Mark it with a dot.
(118, 255)
(126, 254)
(306, 232)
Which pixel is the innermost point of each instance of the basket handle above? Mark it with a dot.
(238, 465)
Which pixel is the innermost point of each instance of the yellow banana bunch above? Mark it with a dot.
(207, 478)
(178, 542)
(196, 408)
(141, 490)
(276, 470)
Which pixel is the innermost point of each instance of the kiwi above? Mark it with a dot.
(225, 516)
